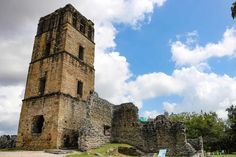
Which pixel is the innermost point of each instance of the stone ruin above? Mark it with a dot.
(60, 108)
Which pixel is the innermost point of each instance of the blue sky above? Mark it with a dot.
(150, 46)
(148, 50)
(177, 56)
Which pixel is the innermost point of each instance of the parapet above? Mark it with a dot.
(67, 15)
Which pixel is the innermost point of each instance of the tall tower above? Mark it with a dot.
(60, 77)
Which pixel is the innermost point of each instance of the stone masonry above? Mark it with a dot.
(60, 108)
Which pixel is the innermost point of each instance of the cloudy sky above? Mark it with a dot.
(162, 55)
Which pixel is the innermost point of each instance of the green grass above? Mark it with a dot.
(227, 155)
(102, 151)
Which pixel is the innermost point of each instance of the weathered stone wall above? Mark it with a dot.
(51, 69)
(100, 114)
(48, 107)
(156, 134)
(125, 125)
(72, 112)
(96, 128)
(7, 141)
(74, 71)
(197, 144)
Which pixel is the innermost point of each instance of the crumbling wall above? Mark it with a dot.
(197, 144)
(47, 107)
(160, 133)
(96, 129)
(125, 125)
(84, 124)
(72, 112)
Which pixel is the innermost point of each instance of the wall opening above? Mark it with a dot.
(47, 49)
(70, 140)
(38, 122)
(90, 33)
(80, 88)
(81, 52)
(42, 83)
(82, 25)
(107, 130)
(74, 21)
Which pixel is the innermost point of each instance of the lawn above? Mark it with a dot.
(228, 155)
(102, 151)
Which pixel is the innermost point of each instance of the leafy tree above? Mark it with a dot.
(207, 125)
(233, 10)
(232, 126)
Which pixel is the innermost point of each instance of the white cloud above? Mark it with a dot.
(153, 85)
(185, 54)
(10, 98)
(151, 114)
(169, 107)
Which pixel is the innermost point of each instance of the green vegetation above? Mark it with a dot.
(233, 10)
(227, 155)
(102, 151)
(217, 134)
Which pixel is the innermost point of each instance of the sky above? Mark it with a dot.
(162, 55)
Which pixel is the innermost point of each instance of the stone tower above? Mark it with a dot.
(61, 72)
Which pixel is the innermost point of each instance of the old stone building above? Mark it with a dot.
(60, 108)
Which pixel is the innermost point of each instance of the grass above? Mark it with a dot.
(101, 151)
(227, 155)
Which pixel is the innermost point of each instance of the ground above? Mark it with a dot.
(102, 151)
(27, 154)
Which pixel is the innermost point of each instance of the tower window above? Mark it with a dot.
(90, 33)
(42, 83)
(37, 126)
(81, 53)
(80, 88)
(74, 21)
(47, 50)
(82, 25)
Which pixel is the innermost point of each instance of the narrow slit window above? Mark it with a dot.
(74, 21)
(80, 88)
(47, 50)
(42, 83)
(90, 33)
(81, 52)
(82, 25)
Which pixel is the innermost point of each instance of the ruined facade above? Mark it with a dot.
(60, 108)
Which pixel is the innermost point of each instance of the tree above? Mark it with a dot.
(233, 10)
(232, 126)
(207, 125)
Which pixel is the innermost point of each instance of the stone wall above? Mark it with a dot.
(96, 130)
(197, 144)
(7, 141)
(125, 125)
(72, 112)
(47, 107)
(159, 133)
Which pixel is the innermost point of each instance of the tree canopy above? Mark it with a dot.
(233, 10)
